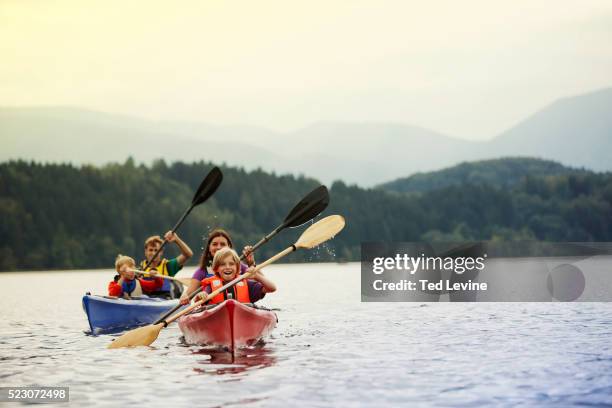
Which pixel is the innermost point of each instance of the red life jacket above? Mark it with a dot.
(241, 289)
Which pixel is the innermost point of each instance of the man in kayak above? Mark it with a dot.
(217, 239)
(125, 285)
(163, 266)
(226, 266)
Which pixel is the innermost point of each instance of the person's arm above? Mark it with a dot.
(151, 285)
(115, 289)
(186, 252)
(268, 285)
(193, 285)
(255, 291)
(198, 276)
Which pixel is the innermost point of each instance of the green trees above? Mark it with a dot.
(62, 216)
(502, 173)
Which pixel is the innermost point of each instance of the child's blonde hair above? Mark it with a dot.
(122, 260)
(223, 253)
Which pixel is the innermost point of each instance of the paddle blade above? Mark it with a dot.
(142, 336)
(208, 186)
(321, 231)
(310, 206)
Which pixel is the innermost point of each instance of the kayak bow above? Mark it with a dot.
(230, 324)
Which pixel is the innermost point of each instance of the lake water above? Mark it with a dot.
(329, 349)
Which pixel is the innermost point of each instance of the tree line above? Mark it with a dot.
(61, 216)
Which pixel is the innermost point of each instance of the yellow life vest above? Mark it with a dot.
(162, 268)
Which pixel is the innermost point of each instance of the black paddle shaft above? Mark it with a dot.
(206, 189)
(178, 224)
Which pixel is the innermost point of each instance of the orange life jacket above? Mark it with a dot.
(241, 289)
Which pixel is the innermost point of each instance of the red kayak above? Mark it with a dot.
(230, 324)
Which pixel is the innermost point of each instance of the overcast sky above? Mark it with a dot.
(469, 69)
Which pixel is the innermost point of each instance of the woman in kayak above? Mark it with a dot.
(217, 239)
(124, 285)
(226, 265)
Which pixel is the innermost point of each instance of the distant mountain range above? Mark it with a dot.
(574, 131)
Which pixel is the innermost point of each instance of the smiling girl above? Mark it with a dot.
(217, 239)
(226, 265)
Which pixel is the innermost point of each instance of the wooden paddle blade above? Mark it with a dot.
(310, 206)
(142, 336)
(319, 232)
(208, 186)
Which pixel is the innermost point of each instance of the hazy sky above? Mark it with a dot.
(465, 68)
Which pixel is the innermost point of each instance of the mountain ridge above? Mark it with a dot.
(502, 173)
(576, 131)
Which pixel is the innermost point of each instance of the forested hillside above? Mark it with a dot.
(503, 173)
(62, 216)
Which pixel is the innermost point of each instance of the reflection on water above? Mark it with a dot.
(223, 362)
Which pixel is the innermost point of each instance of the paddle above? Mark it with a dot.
(207, 188)
(313, 236)
(182, 281)
(309, 207)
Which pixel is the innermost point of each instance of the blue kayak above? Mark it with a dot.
(110, 314)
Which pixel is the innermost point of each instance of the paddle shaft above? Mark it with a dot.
(158, 275)
(207, 188)
(178, 224)
(269, 236)
(227, 285)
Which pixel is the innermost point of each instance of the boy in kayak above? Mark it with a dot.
(125, 285)
(226, 265)
(163, 266)
(217, 239)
